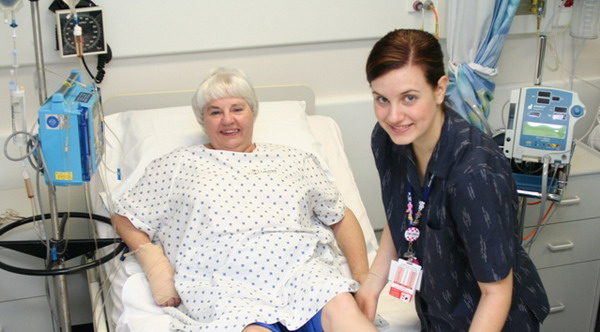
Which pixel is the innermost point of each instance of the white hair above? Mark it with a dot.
(223, 83)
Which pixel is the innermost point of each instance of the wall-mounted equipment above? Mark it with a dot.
(92, 31)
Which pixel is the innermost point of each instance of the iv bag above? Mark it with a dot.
(585, 18)
(9, 4)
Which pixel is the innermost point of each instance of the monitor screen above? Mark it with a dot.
(544, 129)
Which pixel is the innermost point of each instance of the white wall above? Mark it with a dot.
(334, 70)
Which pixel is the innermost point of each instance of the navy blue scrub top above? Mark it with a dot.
(468, 230)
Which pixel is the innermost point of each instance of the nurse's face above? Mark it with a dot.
(408, 108)
(229, 122)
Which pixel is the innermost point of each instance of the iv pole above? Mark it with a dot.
(543, 195)
(60, 281)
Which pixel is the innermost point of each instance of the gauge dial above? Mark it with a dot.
(90, 21)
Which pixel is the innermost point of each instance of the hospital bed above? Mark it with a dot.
(142, 127)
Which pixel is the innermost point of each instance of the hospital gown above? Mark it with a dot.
(246, 232)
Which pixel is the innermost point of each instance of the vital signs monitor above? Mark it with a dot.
(540, 123)
(539, 136)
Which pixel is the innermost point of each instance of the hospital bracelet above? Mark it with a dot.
(377, 275)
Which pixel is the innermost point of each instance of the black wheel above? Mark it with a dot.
(60, 250)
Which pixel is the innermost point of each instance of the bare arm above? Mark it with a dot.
(368, 294)
(132, 236)
(494, 305)
(351, 240)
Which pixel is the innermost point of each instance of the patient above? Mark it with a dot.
(241, 236)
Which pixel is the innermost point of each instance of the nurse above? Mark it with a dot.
(450, 199)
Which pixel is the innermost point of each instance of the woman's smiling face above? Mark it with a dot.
(407, 107)
(229, 123)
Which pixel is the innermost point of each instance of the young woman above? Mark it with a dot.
(450, 201)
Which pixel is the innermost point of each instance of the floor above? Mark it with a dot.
(597, 329)
(83, 328)
(378, 234)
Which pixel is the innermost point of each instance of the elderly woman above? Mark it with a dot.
(241, 235)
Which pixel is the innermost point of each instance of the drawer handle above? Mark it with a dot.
(557, 308)
(561, 247)
(570, 201)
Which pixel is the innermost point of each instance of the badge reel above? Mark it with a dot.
(406, 274)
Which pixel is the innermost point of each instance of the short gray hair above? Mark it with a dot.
(223, 83)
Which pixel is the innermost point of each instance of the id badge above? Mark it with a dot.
(405, 279)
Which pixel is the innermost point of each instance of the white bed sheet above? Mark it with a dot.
(131, 307)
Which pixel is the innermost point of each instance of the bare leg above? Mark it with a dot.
(342, 314)
(255, 328)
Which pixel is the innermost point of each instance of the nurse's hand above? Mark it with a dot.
(368, 295)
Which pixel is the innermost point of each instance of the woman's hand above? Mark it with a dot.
(155, 264)
(160, 274)
(172, 302)
(376, 279)
(368, 295)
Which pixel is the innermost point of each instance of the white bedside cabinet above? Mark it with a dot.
(567, 250)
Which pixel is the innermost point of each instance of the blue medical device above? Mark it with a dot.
(71, 133)
(540, 130)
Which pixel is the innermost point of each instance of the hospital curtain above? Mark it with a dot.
(476, 34)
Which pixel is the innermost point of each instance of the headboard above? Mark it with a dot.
(159, 99)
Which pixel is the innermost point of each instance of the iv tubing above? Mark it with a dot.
(544, 199)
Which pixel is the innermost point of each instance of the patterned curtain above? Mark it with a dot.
(476, 34)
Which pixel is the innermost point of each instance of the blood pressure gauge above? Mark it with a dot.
(90, 21)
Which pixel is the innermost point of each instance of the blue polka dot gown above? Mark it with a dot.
(247, 234)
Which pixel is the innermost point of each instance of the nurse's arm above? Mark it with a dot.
(351, 241)
(494, 305)
(369, 291)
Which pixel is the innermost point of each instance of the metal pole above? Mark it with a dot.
(60, 281)
(539, 62)
(39, 54)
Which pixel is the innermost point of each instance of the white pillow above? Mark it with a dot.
(135, 138)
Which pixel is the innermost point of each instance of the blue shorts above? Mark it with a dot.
(313, 325)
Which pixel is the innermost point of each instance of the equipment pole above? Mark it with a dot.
(60, 281)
